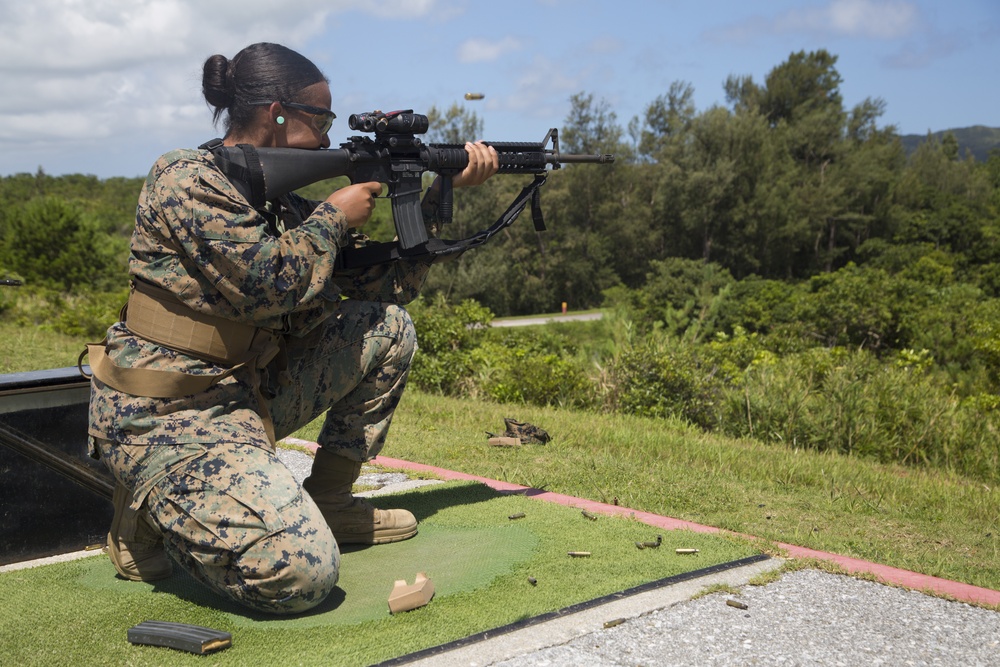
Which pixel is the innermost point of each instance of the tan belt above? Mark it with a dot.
(159, 317)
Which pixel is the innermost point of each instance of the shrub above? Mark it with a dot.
(83, 313)
(446, 335)
(510, 374)
(51, 243)
(683, 297)
(665, 379)
(853, 403)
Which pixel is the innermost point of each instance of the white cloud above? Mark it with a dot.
(876, 19)
(485, 50)
(397, 9)
(76, 72)
(542, 90)
(920, 53)
(75, 35)
(870, 19)
(605, 45)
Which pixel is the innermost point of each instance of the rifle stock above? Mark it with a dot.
(288, 169)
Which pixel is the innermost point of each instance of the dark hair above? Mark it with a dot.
(261, 71)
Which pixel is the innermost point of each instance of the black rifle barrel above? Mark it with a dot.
(518, 157)
(606, 158)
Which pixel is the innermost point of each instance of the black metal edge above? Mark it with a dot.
(44, 379)
(572, 609)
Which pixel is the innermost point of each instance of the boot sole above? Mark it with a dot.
(385, 537)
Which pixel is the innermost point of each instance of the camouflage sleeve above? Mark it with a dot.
(199, 238)
(398, 282)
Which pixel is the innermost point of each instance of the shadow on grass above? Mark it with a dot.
(424, 503)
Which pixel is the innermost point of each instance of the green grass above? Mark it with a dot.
(480, 561)
(32, 348)
(926, 521)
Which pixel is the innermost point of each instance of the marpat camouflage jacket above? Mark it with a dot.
(198, 238)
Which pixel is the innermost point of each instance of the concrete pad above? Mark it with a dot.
(59, 558)
(559, 630)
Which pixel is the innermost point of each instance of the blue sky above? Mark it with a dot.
(104, 86)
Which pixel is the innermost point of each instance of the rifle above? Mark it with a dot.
(398, 158)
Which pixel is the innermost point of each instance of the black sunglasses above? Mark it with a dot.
(322, 118)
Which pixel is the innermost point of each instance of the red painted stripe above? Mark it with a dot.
(884, 573)
(890, 575)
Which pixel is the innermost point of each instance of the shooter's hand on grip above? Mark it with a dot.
(356, 201)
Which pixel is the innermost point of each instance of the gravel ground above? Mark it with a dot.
(300, 464)
(805, 618)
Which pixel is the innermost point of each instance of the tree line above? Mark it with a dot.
(783, 182)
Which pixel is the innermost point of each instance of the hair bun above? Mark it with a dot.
(218, 81)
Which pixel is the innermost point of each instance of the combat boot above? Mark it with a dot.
(353, 520)
(135, 547)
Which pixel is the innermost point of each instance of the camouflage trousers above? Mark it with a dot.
(231, 513)
(354, 368)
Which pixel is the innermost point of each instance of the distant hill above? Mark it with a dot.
(979, 139)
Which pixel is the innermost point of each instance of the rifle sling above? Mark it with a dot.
(248, 179)
(447, 249)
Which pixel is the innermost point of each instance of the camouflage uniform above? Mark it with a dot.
(203, 465)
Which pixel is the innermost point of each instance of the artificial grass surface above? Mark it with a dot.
(78, 613)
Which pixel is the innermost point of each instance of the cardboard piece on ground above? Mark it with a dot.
(406, 597)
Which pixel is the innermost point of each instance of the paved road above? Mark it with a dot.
(545, 319)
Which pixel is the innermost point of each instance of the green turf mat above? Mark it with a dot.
(456, 558)
(480, 561)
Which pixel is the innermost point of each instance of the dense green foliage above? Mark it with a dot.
(782, 388)
(778, 267)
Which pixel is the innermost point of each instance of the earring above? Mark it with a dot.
(280, 120)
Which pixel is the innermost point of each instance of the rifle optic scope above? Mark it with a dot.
(394, 122)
